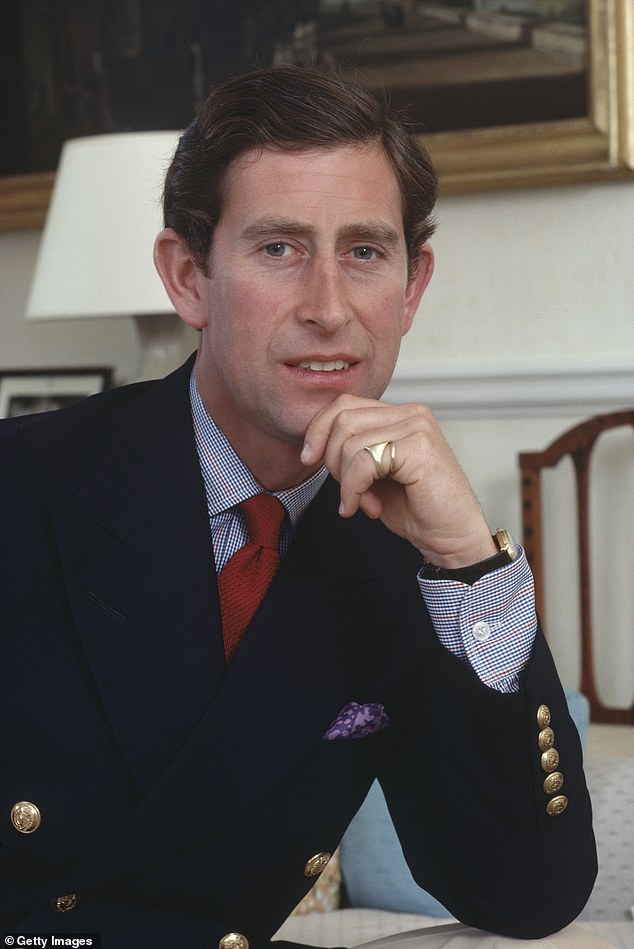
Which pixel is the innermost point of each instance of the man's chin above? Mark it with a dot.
(294, 424)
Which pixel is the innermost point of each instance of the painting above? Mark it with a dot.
(26, 391)
(504, 92)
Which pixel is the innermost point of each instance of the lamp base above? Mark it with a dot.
(166, 342)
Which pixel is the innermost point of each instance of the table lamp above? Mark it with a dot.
(95, 256)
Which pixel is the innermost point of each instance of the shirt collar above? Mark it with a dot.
(227, 479)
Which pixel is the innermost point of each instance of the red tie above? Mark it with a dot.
(247, 575)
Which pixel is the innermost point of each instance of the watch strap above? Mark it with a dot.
(508, 552)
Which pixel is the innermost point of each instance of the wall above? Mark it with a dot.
(527, 326)
(532, 278)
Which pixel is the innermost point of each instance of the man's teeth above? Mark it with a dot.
(324, 366)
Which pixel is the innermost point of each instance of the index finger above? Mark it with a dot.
(320, 428)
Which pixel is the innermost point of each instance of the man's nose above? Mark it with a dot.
(325, 297)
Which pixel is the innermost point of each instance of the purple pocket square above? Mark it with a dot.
(357, 721)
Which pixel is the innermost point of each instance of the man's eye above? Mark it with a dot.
(278, 249)
(364, 253)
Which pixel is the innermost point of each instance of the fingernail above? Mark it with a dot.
(306, 453)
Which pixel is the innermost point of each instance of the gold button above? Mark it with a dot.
(550, 760)
(316, 864)
(543, 716)
(64, 904)
(557, 805)
(25, 817)
(554, 782)
(546, 739)
(234, 941)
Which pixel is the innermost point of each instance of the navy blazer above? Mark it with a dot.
(179, 801)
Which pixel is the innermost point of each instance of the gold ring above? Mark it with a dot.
(377, 451)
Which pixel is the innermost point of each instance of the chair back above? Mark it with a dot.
(578, 443)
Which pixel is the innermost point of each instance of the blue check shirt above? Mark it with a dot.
(491, 624)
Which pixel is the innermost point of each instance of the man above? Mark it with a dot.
(167, 788)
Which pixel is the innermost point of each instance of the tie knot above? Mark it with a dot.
(263, 514)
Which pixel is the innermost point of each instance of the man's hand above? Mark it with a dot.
(425, 498)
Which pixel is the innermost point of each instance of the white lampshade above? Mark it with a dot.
(95, 256)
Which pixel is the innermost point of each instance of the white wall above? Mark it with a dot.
(527, 326)
(530, 278)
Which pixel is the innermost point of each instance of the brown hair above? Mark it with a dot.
(293, 109)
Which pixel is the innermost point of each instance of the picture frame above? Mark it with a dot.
(27, 391)
(598, 146)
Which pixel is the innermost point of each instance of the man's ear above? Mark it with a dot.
(418, 284)
(181, 277)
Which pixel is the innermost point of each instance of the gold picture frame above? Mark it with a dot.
(597, 147)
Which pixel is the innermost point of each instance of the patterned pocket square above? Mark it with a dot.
(357, 721)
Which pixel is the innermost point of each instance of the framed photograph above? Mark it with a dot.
(507, 93)
(26, 391)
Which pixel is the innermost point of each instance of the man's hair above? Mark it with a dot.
(289, 108)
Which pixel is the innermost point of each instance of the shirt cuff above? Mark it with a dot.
(490, 624)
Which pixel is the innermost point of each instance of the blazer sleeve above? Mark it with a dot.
(465, 786)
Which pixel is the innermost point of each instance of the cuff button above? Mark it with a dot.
(550, 760)
(554, 782)
(481, 632)
(543, 716)
(557, 806)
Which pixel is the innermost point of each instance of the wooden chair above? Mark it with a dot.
(578, 442)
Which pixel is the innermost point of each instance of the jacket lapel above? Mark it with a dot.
(300, 663)
(138, 566)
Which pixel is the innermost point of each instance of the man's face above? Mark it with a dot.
(307, 295)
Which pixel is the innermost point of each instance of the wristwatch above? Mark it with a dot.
(508, 552)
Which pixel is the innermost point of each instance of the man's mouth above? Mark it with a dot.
(332, 366)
